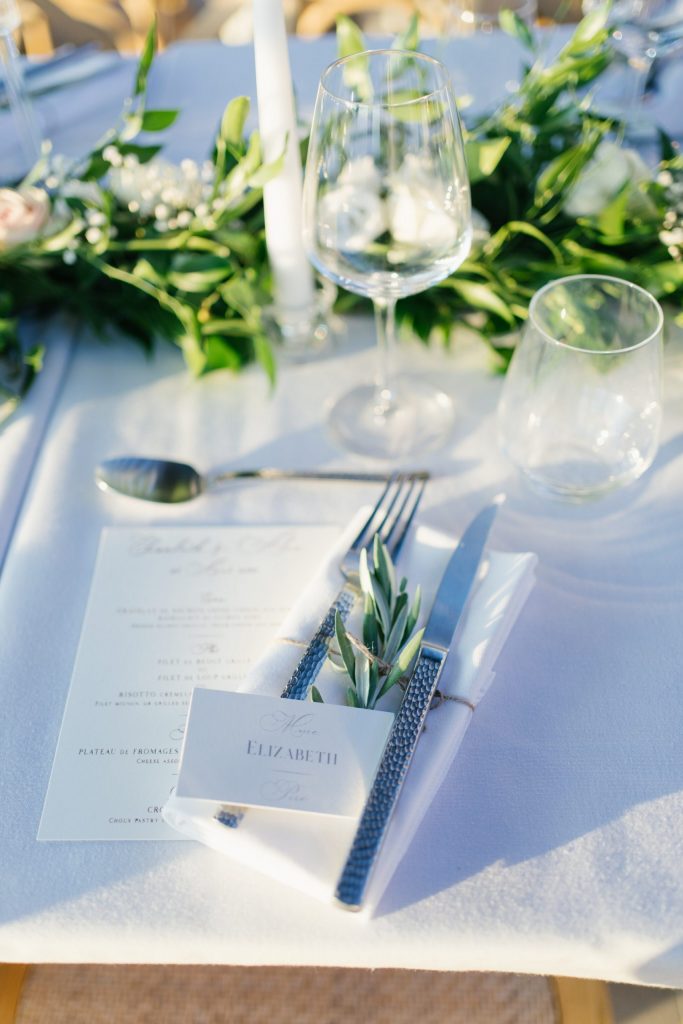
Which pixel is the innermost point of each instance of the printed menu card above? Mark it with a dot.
(170, 608)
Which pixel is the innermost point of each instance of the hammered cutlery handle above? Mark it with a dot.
(389, 779)
(314, 657)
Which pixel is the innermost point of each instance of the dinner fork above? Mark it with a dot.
(390, 520)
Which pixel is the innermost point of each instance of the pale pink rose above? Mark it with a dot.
(23, 215)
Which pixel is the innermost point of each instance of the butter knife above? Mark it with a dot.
(449, 604)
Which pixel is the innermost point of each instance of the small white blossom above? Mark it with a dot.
(69, 257)
(93, 235)
(95, 218)
(158, 188)
(113, 157)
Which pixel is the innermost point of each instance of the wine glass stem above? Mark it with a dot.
(385, 323)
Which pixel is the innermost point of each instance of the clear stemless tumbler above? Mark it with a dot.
(386, 215)
(580, 410)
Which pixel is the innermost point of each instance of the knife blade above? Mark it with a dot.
(450, 602)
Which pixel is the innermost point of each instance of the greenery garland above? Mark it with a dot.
(125, 240)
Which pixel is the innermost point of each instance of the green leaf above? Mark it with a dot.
(35, 357)
(265, 356)
(414, 613)
(483, 156)
(220, 355)
(362, 679)
(143, 153)
(351, 698)
(395, 637)
(409, 38)
(364, 574)
(316, 695)
(480, 296)
(236, 328)
(612, 218)
(345, 648)
(234, 119)
(382, 606)
(370, 634)
(521, 227)
(384, 568)
(350, 39)
(589, 31)
(374, 684)
(266, 172)
(197, 273)
(146, 60)
(514, 26)
(562, 172)
(158, 120)
(403, 662)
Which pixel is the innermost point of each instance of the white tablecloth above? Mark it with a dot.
(555, 844)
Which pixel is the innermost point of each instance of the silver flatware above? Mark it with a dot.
(449, 604)
(390, 519)
(168, 482)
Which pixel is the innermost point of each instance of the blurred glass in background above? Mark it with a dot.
(121, 24)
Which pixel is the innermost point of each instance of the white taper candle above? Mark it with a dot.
(292, 273)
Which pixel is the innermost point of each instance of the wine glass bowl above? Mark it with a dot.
(386, 215)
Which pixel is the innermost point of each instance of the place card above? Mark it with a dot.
(170, 608)
(252, 750)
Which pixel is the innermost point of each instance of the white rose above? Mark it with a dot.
(350, 218)
(424, 211)
(603, 177)
(418, 218)
(352, 214)
(23, 215)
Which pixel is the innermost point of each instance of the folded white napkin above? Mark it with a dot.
(309, 851)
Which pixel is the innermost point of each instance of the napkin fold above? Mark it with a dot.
(308, 851)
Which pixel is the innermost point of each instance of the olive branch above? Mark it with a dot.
(389, 644)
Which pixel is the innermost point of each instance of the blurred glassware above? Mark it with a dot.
(387, 214)
(642, 32)
(580, 410)
(468, 16)
(17, 95)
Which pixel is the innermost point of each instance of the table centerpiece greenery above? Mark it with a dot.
(130, 242)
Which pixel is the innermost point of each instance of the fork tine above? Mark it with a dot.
(405, 514)
(377, 517)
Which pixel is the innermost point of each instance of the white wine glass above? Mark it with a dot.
(387, 214)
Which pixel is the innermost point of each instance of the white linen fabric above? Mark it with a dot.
(309, 854)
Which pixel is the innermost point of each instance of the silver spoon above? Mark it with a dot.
(162, 480)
